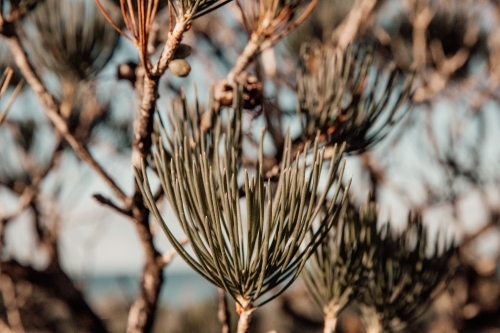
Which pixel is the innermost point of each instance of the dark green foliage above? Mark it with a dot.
(347, 97)
(406, 274)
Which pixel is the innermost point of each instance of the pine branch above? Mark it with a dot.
(337, 270)
(249, 258)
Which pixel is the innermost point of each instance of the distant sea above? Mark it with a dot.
(180, 289)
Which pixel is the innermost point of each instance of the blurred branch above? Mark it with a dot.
(4, 328)
(30, 191)
(286, 305)
(420, 14)
(53, 112)
(107, 202)
(9, 298)
(359, 17)
(6, 77)
(223, 311)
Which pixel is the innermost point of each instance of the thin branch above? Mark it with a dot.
(107, 202)
(359, 15)
(52, 109)
(298, 21)
(9, 297)
(29, 192)
(245, 57)
(12, 98)
(6, 77)
(223, 311)
(168, 51)
(267, 32)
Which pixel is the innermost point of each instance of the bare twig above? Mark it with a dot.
(107, 202)
(53, 112)
(168, 51)
(7, 76)
(223, 311)
(268, 29)
(359, 16)
(29, 193)
(10, 303)
(245, 57)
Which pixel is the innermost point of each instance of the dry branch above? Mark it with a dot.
(52, 109)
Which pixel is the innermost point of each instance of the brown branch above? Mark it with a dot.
(359, 16)
(298, 21)
(107, 202)
(29, 192)
(142, 312)
(223, 311)
(52, 109)
(7, 76)
(10, 302)
(246, 56)
(167, 54)
(244, 321)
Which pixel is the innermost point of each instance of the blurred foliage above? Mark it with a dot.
(70, 38)
(347, 98)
